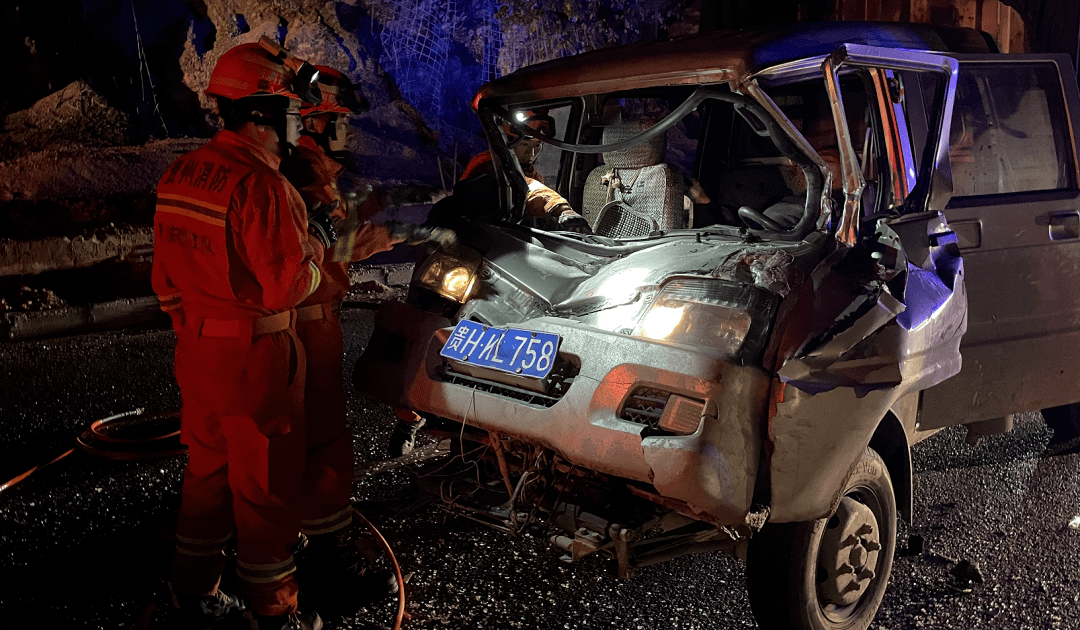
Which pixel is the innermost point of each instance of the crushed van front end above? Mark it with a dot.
(684, 420)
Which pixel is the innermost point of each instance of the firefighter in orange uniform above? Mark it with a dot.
(327, 510)
(232, 259)
(544, 207)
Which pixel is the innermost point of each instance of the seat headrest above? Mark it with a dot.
(645, 154)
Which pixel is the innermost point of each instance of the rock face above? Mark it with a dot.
(67, 163)
(394, 140)
(419, 62)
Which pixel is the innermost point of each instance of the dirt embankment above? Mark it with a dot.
(65, 170)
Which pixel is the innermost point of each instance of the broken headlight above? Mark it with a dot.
(730, 317)
(450, 272)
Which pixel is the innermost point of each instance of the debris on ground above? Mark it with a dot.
(965, 574)
(916, 544)
(939, 558)
(24, 298)
(371, 286)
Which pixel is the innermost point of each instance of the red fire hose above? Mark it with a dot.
(137, 435)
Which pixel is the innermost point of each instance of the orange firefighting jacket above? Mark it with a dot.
(315, 175)
(230, 235)
(541, 200)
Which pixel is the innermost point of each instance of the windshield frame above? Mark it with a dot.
(817, 209)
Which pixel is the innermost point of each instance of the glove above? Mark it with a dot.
(322, 227)
(412, 234)
(571, 221)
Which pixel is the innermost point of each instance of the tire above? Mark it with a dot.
(1064, 420)
(796, 577)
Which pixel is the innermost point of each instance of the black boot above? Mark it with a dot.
(336, 576)
(403, 439)
(201, 612)
(293, 621)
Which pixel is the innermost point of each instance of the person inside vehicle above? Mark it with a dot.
(544, 208)
(817, 127)
(232, 259)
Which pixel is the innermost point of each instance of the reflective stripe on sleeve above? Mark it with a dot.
(170, 302)
(316, 277)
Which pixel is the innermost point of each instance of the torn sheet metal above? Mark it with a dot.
(822, 370)
(897, 331)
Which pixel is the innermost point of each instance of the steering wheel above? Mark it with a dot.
(751, 217)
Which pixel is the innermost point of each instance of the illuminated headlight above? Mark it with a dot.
(730, 317)
(450, 272)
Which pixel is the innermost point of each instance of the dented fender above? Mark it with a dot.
(873, 323)
(714, 470)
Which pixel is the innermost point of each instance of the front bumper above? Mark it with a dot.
(712, 470)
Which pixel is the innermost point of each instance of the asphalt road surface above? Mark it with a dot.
(82, 544)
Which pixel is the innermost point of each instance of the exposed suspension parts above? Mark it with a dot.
(518, 488)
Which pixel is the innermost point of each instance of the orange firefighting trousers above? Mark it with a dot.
(243, 423)
(327, 481)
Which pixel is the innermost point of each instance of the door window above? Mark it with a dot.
(1009, 130)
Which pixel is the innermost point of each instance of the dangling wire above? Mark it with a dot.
(144, 69)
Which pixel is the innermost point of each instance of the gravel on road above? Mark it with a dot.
(82, 542)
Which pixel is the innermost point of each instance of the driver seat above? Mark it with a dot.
(633, 193)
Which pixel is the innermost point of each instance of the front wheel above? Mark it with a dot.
(828, 574)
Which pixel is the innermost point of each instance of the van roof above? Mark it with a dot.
(716, 57)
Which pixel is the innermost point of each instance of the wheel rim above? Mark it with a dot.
(848, 555)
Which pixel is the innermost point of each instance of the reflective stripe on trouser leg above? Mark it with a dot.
(266, 463)
(339, 520)
(201, 546)
(328, 478)
(267, 513)
(265, 573)
(205, 520)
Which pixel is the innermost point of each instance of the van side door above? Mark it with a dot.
(1015, 208)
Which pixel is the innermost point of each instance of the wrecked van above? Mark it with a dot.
(771, 307)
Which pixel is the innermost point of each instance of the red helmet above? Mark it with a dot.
(252, 70)
(338, 94)
(535, 119)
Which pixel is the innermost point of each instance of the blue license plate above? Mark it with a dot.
(511, 350)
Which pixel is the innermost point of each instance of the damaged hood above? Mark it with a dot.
(607, 283)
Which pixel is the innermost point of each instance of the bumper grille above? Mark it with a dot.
(524, 395)
(645, 406)
(556, 384)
